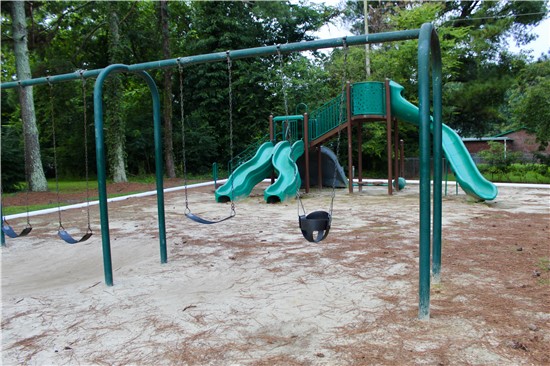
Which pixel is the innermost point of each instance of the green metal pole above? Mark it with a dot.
(222, 56)
(424, 47)
(102, 171)
(52, 79)
(159, 163)
(215, 174)
(437, 156)
(101, 165)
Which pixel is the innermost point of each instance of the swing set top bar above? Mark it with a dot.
(236, 54)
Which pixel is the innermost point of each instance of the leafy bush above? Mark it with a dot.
(518, 173)
(498, 161)
(13, 160)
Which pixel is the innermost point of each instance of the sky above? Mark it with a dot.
(538, 47)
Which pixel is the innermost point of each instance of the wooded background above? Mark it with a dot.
(487, 88)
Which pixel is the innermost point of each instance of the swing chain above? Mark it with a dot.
(286, 134)
(340, 119)
(27, 178)
(85, 118)
(54, 142)
(182, 119)
(230, 89)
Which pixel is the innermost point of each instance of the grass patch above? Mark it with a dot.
(13, 210)
(71, 186)
(544, 264)
(67, 186)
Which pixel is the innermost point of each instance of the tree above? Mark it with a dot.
(12, 156)
(222, 26)
(167, 86)
(486, 70)
(378, 15)
(115, 121)
(498, 159)
(71, 35)
(529, 100)
(33, 160)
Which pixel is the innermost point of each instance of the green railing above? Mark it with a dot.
(326, 118)
(291, 128)
(322, 120)
(246, 154)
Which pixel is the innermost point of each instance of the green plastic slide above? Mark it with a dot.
(247, 175)
(466, 172)
(284, 161)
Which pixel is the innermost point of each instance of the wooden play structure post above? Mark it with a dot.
(272, 139)
(350, 148)
(396, 152)
(306, 150)
(388, 134)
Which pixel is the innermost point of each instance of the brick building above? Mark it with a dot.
(520, 140)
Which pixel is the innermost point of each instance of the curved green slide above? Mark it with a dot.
(247, 175)
(467, 174)
(284, 161)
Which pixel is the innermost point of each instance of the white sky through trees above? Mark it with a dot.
(537, 47)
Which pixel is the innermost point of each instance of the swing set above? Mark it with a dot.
(61, 232)
(429, 56)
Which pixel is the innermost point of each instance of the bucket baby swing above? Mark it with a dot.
(315, 226)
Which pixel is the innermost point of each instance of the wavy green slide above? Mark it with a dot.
(467, 174)
(247, 175)
(284, 161)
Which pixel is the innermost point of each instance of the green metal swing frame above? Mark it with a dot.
(429, 56)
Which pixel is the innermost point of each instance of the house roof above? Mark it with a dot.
(512, 131)
(470, 139)
(499, 137)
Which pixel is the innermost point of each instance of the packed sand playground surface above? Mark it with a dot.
(252, 291)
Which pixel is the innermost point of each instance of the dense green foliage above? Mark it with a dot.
(530, 99)
(487, 89)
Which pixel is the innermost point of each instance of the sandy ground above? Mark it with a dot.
(251, 291)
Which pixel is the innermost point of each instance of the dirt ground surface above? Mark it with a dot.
(252, 291)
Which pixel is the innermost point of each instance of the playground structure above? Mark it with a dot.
(365, 102)
(428, 55)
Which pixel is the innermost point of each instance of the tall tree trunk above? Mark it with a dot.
(168, 141)
(116, 140)
(34, 170)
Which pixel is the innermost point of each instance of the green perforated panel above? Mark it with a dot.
(368, 98)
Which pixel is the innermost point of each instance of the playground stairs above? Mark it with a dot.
(246, 154)
(324, 123)
(327, 121)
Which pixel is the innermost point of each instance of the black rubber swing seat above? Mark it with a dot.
(63, 234)
(200, 220)
(317, 221)
(8, 230)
